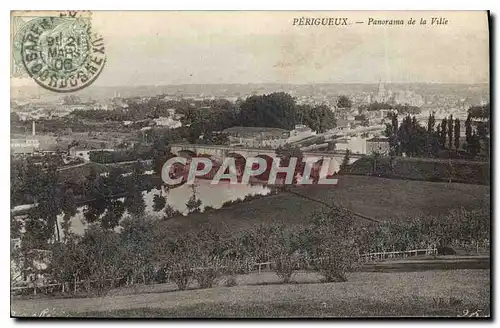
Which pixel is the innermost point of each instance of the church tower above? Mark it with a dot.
(381, 95)
(381, 89)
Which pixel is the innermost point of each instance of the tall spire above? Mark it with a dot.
(381, 88)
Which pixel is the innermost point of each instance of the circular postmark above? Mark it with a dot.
(61, 53)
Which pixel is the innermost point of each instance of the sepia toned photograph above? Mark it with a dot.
(250, 164)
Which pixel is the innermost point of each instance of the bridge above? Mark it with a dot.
(221, 152)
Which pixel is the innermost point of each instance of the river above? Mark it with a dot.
(210, 195)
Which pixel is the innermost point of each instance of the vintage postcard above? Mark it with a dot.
(260, 164)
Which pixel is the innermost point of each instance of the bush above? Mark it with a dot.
(285, 266)
(459, 228)
(208, 270)
(180, 261)
(208, 249)
(284, 249)
(181, 274)
(332, 245)
(335, 264)
(206, 277)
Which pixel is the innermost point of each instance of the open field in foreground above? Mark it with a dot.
(379, 198)
(425, 293)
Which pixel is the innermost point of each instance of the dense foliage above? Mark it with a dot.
(330, 243)
(410, 138)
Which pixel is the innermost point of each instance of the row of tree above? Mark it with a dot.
(411, 138)
(329, 242)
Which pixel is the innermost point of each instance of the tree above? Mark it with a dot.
(318, 118)
(95, 190)
(137, 242)
(181, 260)
(69, 210)
(481, 130)
(345, 161)
(468, 129)
(159, 203)
(374, 159)
(208, 253)
(432, 140)
(170, 212)
(134, 202)
(284, 252)
(211, 138)
(450, 131)
(103, 255)
(444, 132)
(69, 262)
(344, 102)
(276, 110)
(474, 146)
(391, 132)
(193, 204)
(480, 112)
(457, 134)
(42, 188)
(430, 123)
(332, 244)
(332, 145)
(113, 215)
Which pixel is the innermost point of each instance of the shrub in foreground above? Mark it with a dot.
(284, 252)
(284, 266)
(207, 272)
(181, 275)
(331, 242)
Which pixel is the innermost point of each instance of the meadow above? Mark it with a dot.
(425, 293)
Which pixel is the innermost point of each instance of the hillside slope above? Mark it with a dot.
(378, 198)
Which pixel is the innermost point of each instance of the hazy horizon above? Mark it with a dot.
(184, 48)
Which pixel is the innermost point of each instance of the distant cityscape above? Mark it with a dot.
(354, 125)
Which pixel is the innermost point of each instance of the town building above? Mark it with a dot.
(168, 122)
(25, 146)
(355, 144)
(85, 153)
(256, 137)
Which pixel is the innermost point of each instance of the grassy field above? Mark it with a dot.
(427, 293)
(379, 198)
(425, 169)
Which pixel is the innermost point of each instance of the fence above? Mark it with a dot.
(380, 256)
(397, 254)
(257, 266)
(62, 285)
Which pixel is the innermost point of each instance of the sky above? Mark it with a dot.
(161, 48)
